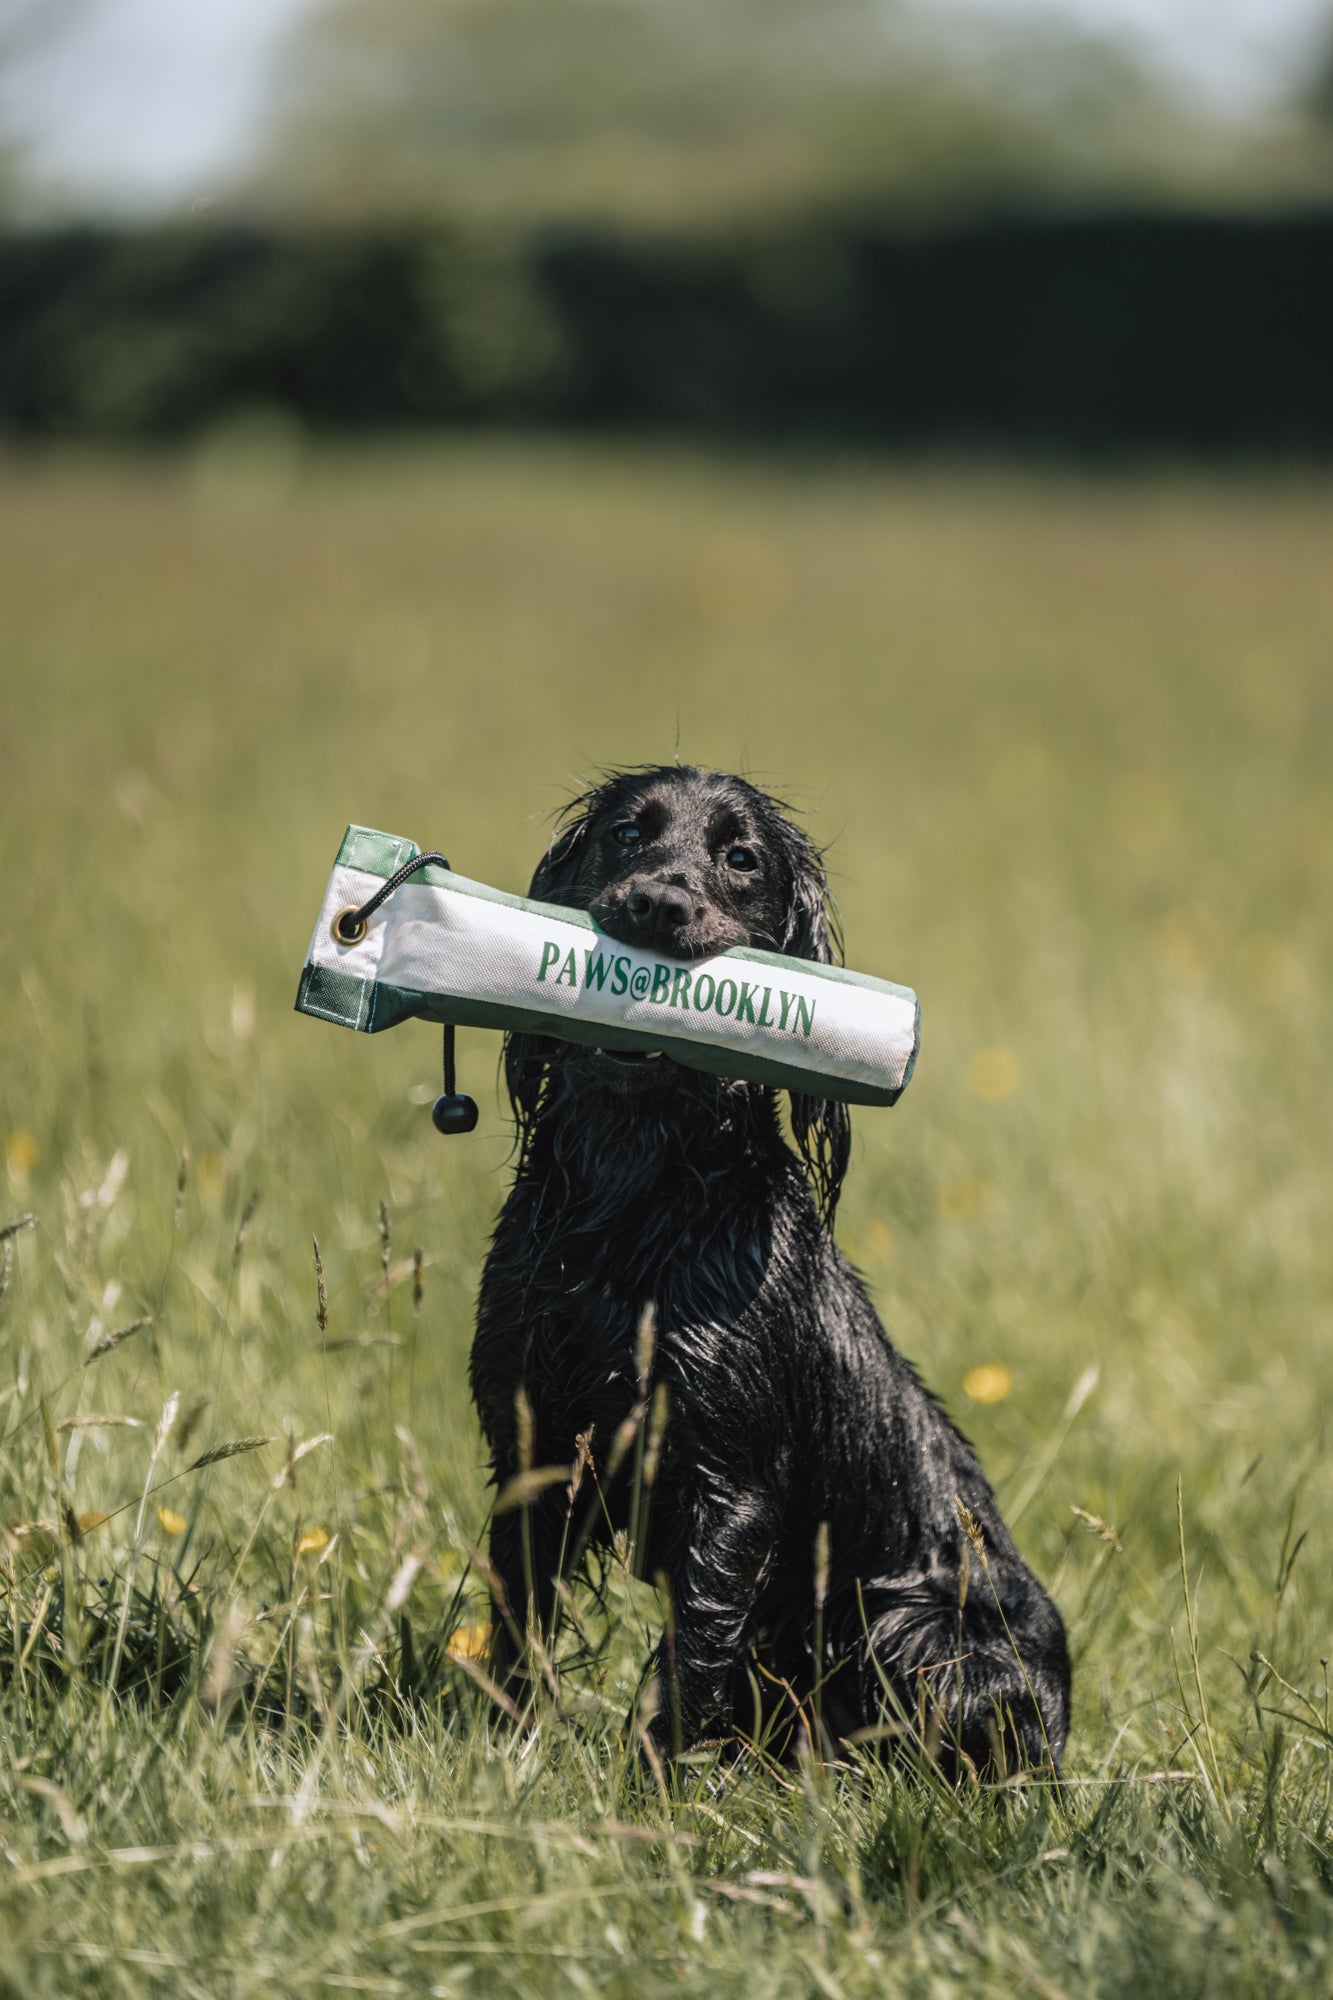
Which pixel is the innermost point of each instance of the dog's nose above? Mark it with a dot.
(658, 910)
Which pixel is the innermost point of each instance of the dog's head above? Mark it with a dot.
(686, 863)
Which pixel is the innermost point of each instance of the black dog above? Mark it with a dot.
(803, 1460)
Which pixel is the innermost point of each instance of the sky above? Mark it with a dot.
(141, 103)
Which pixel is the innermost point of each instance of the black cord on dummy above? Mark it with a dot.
(349, 926)
(455, 1111)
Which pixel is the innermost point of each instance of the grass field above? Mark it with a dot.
(1070, 745)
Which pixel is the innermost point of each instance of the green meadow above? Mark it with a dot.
(1068, 741)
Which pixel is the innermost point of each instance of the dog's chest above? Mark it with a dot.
(572, 1314)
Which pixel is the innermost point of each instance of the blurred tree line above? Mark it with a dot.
(1099, 333)
(758, 218)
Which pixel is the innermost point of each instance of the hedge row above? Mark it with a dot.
(1091, 333)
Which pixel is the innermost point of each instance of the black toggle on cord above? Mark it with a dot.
(455, 1111)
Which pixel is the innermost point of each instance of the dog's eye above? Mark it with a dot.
(628, 836)
(743, 858)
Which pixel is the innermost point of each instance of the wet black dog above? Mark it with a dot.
(640, 1182)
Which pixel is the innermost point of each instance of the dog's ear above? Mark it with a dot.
(556, 875)
(527, 1057)
(526, 1060)
(812, 924)
(821, 1127)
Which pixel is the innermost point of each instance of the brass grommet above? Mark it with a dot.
(345, 933)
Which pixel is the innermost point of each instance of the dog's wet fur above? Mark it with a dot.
(641, 1184)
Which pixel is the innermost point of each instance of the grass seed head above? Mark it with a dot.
(821, 1564)
(242, 1228)
(645, 1345)
(412, 1460)
(582, 1461)
(165, 1422)
(623, 1441)
(321, 1296)
(971, 1526)
(113, 1340)
(1099, 1527)
(400, 1589)
(1081, 1391)
(524, 1487)
(525, 1428)
(232, 1449)
(100, 1421)
(657, 1424)
(49, 1432)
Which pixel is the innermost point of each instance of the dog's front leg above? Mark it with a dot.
(715, 1583)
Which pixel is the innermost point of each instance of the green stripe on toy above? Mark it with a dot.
(442, 948)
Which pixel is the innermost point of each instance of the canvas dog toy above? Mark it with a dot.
(400, 935)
